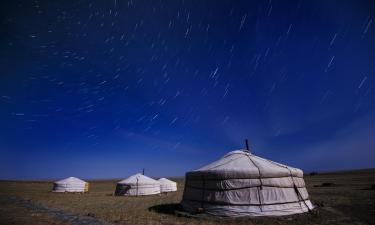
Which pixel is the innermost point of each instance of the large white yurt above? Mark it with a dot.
(243, 184)
(70, 184)
(167, 185)
(138, 184)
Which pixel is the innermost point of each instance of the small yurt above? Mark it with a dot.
(243, 184)
(167, 185)
(138, 184)
(70, 184)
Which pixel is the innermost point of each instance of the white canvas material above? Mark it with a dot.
(70, 184)
(138, 184)
(167, 185)
(242, 184)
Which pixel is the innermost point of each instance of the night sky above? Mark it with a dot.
(102, 89)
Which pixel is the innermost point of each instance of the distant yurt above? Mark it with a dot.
(70, 184)
(138, 184)
(243, 184)
(167, 185)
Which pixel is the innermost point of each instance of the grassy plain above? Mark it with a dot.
(342, 198)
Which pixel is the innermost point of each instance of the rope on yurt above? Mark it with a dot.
(300, 196)
(297, 191)
(137, 187)
(294, 185)
(260, 180)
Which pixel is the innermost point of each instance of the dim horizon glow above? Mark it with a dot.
(103, 89)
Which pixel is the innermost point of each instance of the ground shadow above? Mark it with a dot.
(177, 210)
(166, 208)
(371, 188)
(327, 184)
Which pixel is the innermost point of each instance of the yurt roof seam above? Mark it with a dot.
(226, 156)
(237, 152)
(224, 163)
(275, 163)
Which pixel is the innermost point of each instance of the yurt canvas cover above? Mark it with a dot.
(242, 184)
(167, 185)
(138, 184)
(71, 184)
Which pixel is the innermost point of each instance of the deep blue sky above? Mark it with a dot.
(102, 89)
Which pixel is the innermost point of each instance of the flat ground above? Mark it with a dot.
(342, 198)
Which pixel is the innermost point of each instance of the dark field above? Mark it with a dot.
(342, 198)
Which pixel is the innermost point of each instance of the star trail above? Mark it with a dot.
(102, 89)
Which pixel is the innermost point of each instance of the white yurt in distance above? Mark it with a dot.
(138, 184)
(70, 184)
(167, 185)
(242, 184)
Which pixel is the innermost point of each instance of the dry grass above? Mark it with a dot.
(348, 199)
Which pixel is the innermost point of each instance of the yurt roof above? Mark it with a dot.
(141, 179)
(70, 180)
(166, 181)
(243, 164)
